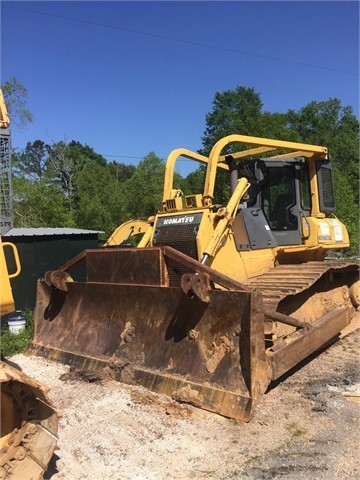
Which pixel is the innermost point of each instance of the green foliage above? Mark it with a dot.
(336, 127)
(347, 208)
(144, 189)
(234, 111)
(38, 204)
(99, 199)
(194, 182)
(66, 185)
(31, 163)
(121, 172)
(81, 154)
(12, 344)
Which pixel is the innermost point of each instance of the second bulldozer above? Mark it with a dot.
(221, 295)
(28, 420)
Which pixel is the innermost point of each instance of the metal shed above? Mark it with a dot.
(43, 249)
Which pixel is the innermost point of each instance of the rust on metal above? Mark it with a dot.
(168, 341)
(29, 426)
(284, 281)
(174, 337)
(197, 267)
(196, 285)
(302, 343)
(181, 328)
(287, 319)
(57, 279)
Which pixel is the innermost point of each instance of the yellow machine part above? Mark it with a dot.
(29, 426)
(216, 301)
(6, 297)
(4, 117)
(125, 231)
(29, 422)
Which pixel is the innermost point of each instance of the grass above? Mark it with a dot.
(295, 430)
(10, 343)
(251, 459)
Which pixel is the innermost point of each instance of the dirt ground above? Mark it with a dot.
(306, 427)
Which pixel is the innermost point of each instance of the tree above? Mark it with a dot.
(99, 199)
(64, 165)
(37, 199)
(32, 162)
(37, 204)
(15, 95)
(194, 181)
(66, 161)
(82, 153)
(120, 171)
(145, 188)
(234, 111)
(240, 112)
(330, 124)
(52, 173)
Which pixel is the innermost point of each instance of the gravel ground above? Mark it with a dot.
(306, 427)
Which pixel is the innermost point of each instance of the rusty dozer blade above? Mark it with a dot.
(202, 347)
(173, 325)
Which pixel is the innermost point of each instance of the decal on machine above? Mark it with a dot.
(338, 233)
(179, 220)
(324, 233)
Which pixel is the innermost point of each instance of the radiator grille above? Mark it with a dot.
(182, 237)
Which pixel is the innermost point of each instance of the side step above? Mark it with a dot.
(300, 344)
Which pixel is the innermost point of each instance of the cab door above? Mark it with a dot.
(285, 199)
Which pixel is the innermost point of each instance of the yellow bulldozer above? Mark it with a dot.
(29, 421)
(217, 299)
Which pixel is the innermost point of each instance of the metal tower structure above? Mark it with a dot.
(6, 204)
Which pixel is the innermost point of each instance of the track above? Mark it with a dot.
(289, 280)
(29, 426)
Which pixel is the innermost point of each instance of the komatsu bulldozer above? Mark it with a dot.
(217, 300)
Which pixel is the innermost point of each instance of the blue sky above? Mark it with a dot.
(128, 78)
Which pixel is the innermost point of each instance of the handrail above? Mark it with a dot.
(16, 258)
(264, 144)
(258, 145)
(170, 165)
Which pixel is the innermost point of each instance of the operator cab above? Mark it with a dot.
(280, 190)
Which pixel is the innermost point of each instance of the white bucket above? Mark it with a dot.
(16, 324)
